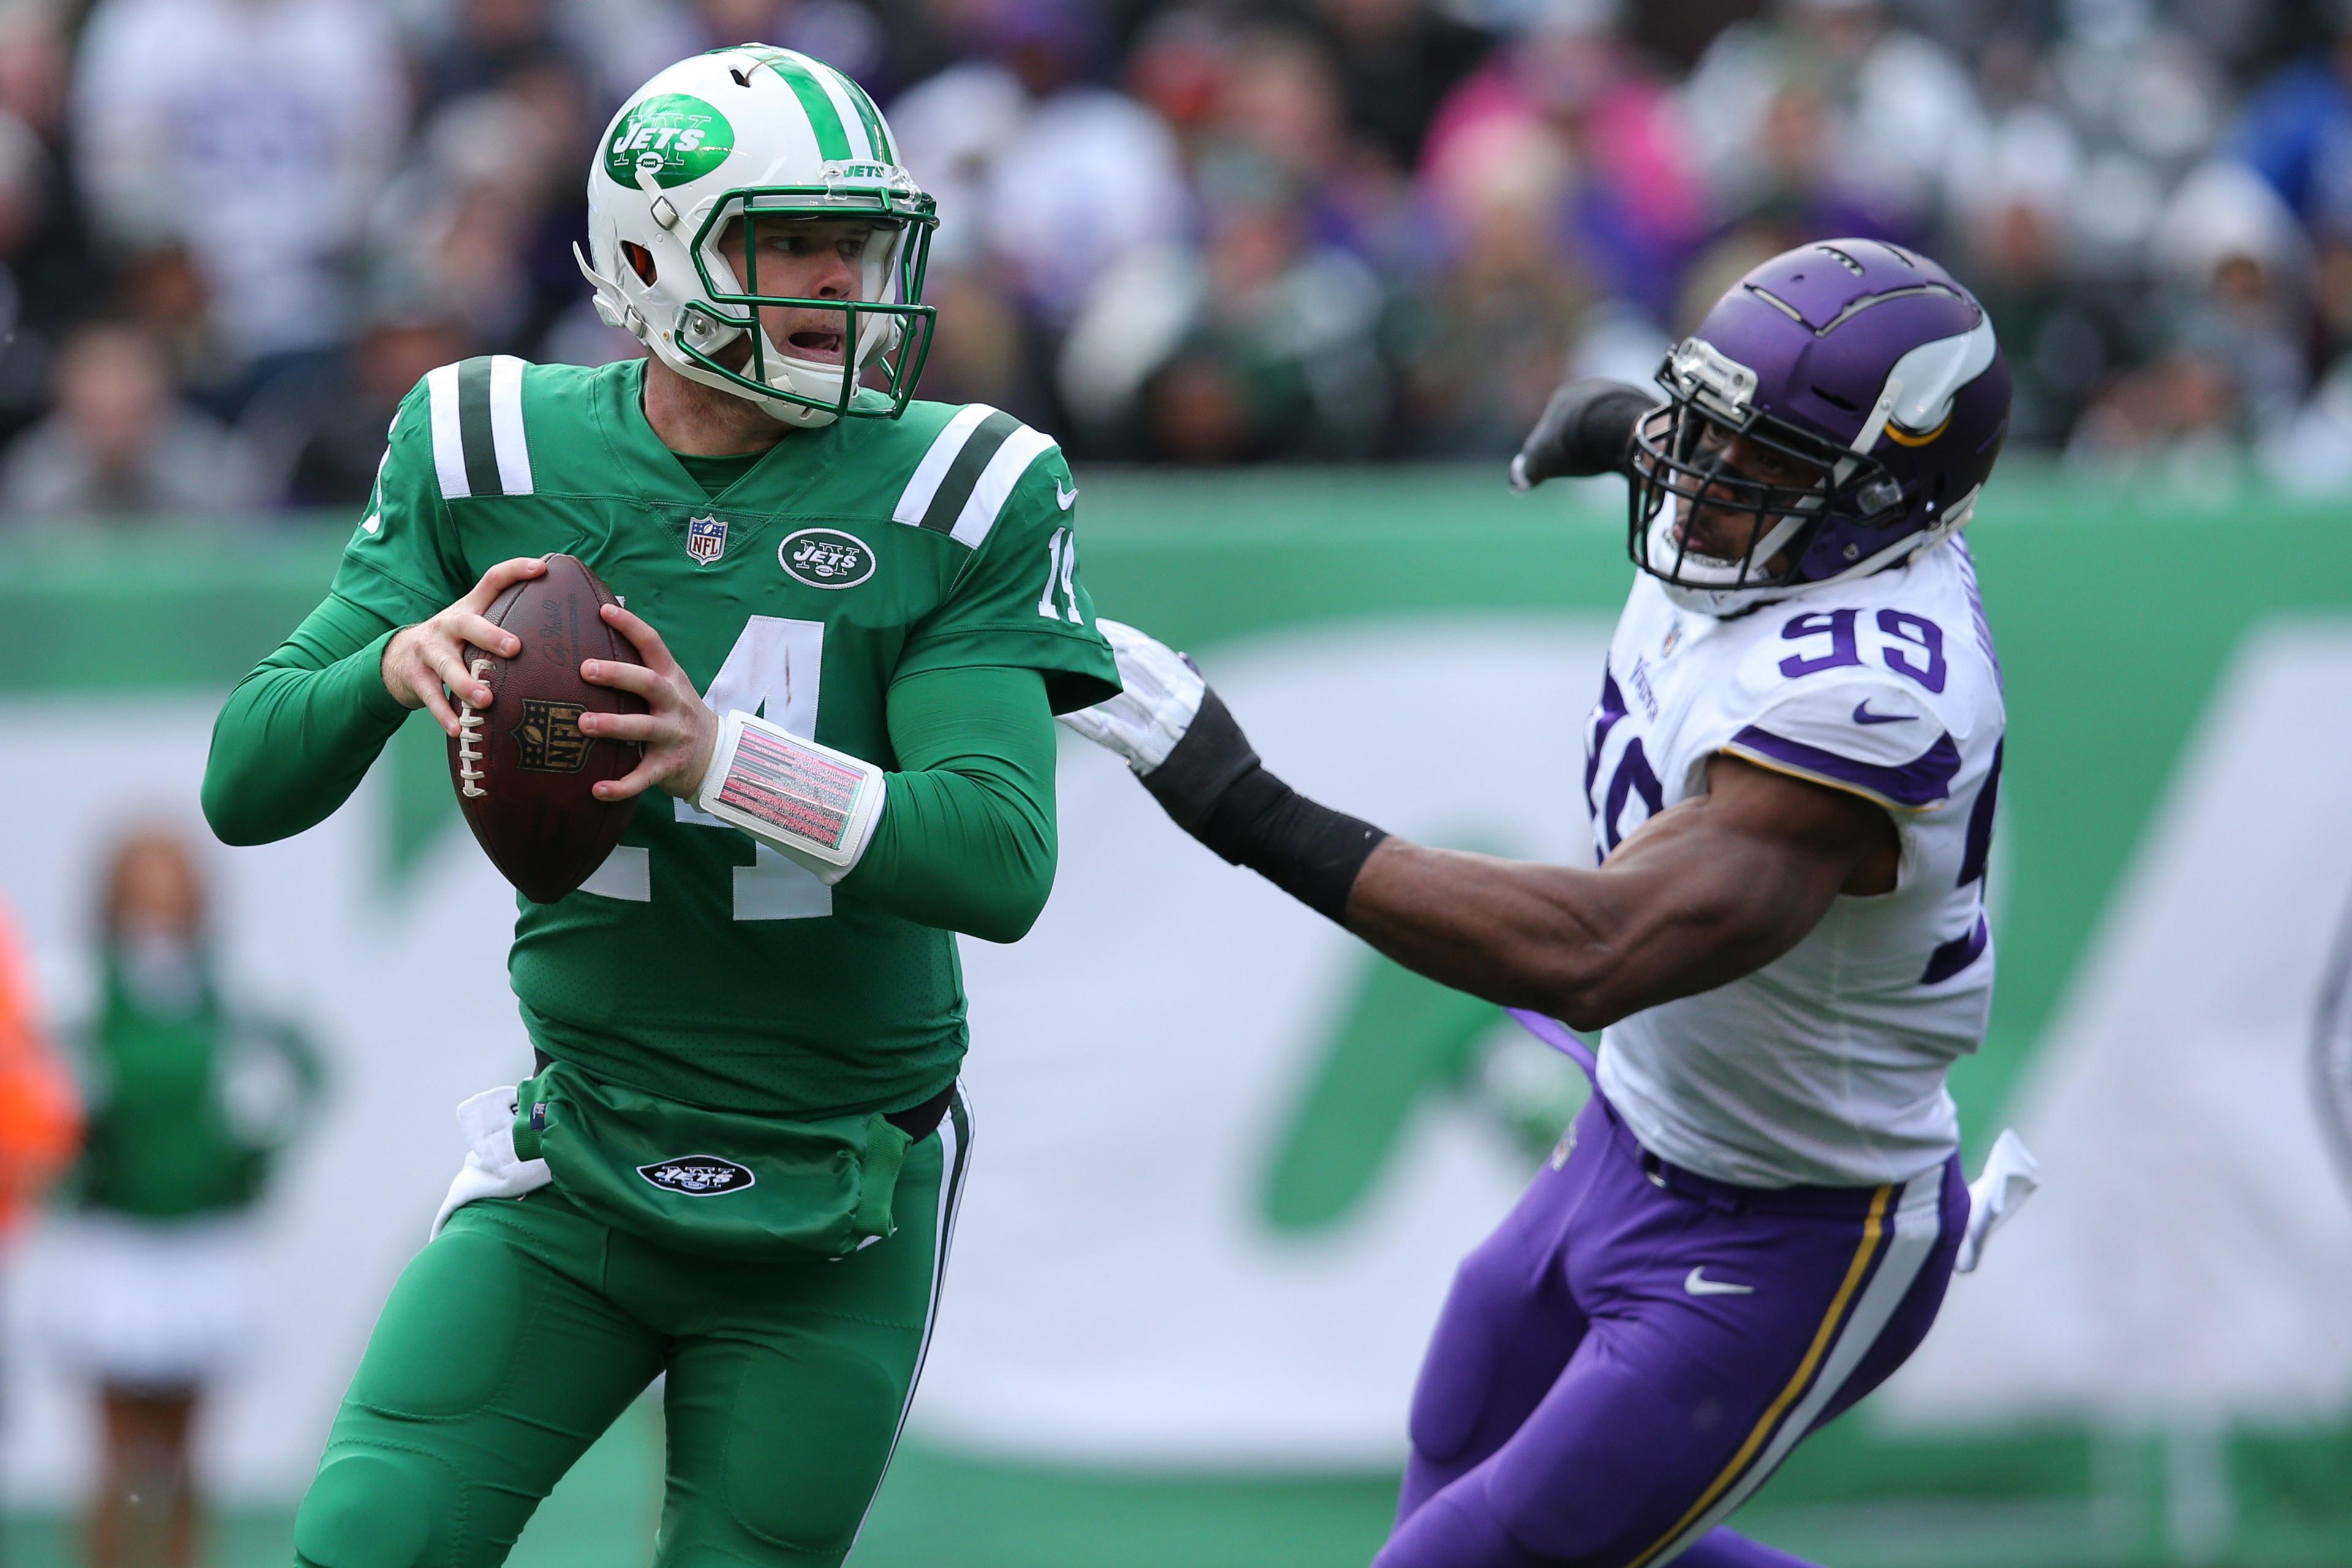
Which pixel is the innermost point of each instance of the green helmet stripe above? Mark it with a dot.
(876, 132)
(843, 93)
(831, 136)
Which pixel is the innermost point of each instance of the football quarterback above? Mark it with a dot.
(1790, 775)
(738, 1160)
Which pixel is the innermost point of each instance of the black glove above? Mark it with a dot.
(1215, 786)
(1587, 428)
(1208, 762)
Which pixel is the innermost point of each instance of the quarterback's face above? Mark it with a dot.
(804, 258)
(1722, 522)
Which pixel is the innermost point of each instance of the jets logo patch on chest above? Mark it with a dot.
(827, 558)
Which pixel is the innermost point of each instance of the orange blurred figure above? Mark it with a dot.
(40, 1115)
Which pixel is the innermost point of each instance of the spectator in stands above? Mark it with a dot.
(2144, 106)
(1833, 115)
(324, 452)
(2235, 269)
(122, 445)
(479, 222)
(1484, 338)
(233, 158)
(1046, 177)
(253, 131)
(190, 1104)
(1262, 342)
(163, 292)
(2175, 421)
(841, 33)
(487, 41)
(2296, 132)
(1634, 210)
(43, 274)
(1396, 61)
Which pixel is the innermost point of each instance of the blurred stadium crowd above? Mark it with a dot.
(234, 231)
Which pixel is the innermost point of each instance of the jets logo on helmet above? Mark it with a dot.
(1833, 416)
(675, 137)
(752, 138)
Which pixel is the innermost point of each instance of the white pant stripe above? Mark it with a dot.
(955, 1160)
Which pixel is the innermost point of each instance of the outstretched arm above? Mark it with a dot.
(1707, 891)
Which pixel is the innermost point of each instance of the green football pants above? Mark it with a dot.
(525, 1329)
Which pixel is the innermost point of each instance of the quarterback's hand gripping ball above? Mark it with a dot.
(524, 771)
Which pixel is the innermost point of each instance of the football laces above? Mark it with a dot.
(469, 739)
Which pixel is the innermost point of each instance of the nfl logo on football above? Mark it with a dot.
(705, 539)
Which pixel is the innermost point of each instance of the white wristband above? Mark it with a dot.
(814, 805)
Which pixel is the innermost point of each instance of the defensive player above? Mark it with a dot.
(740, 1160)
(1790, 773)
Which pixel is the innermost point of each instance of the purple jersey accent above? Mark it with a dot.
(1957, 954)
(1916, 784)
(1604, 719)
(1636, 1347)
(1556, 1035)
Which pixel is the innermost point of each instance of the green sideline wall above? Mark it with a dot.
(2115, 612)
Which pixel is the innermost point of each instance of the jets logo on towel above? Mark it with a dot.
(697, 1175)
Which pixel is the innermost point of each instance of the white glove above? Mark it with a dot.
(1161, 697)
(2009, 1176)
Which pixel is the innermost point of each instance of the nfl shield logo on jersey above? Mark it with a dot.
(705, 539)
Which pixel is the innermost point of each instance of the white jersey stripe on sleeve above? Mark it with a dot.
(506, 439)
(929, 473)
(1021, 448)
(449, 445)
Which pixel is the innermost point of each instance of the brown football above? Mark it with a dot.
(523, 770)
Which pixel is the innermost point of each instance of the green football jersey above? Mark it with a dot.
(696, 963)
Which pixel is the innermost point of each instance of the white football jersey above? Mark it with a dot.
(1826, 1066)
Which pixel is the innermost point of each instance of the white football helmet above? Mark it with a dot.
(748, 132)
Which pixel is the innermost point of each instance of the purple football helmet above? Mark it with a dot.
(1867, 386)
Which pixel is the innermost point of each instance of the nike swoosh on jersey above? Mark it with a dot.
(1862, 715)
(1696, 1283)
(1064, 497)
(374, 521)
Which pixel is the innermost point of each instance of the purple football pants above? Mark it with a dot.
(1636, 1348)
